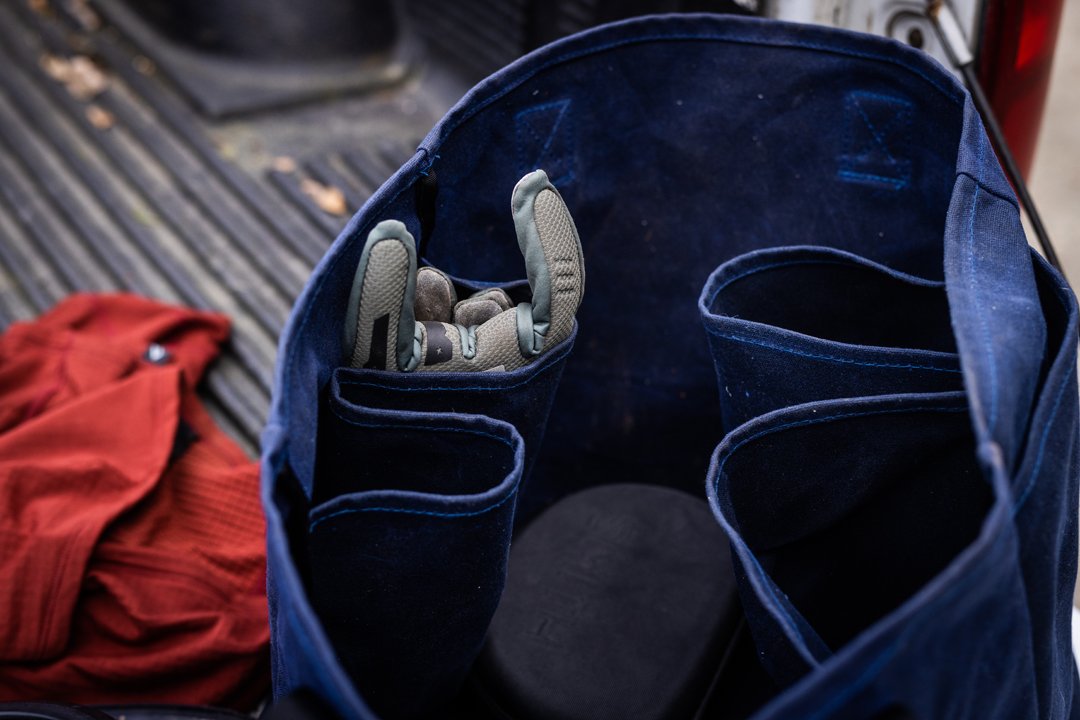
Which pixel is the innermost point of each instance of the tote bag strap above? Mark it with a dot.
(993, 300)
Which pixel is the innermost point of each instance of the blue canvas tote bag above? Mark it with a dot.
(809, 300)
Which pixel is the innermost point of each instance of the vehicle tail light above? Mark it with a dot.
(1015, 53)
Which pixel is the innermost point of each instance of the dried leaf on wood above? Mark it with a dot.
(99, 117)
(284, 164)
(329, 198)
(79, 74)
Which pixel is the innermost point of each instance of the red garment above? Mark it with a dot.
(124, 576)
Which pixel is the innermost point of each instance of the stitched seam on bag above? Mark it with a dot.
(367, 383)
(769, 583)
(595, 50)
(826, 418)
(433, 428)
(1037, 467)
(408, 511)
(910, 279)
(763, 268)
(897, 183)
(562, 125)
(850, 163)
(989, 190)
(875, 132)
(977, 298)
(784, 616)
(831, 358)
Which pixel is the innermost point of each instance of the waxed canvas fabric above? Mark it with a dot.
(809, 299)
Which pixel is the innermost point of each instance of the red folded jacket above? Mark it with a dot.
(132, 547)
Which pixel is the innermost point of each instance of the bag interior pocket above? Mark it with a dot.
(842, 511)
(521, 397)
(799, 324)
(833, 295)
(408, 558)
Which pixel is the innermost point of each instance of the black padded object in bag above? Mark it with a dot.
(620, 602)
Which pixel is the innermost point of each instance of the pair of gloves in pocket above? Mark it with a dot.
(404, 319)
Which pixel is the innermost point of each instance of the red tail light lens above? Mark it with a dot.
(1015, 55)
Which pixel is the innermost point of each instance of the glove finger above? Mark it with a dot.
(380, 325)
(435, 296)
(480, 307)
(554, 263)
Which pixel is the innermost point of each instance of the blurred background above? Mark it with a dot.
(1055, 178)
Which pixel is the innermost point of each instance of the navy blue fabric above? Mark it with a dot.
(1044, 491)
(897, 378)
(408, 556)
(791, 325)
(520, 397)
(897, 498)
